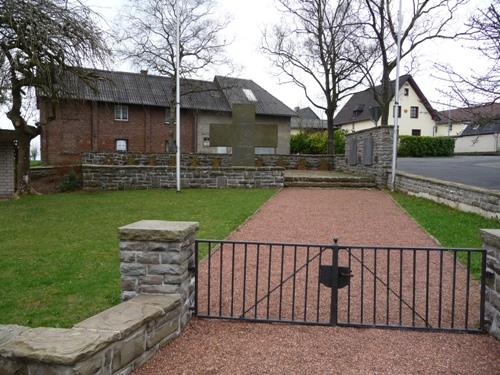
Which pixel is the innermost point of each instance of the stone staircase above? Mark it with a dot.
(326, 179)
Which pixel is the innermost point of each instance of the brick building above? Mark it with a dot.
(129, 112)
(7, 163)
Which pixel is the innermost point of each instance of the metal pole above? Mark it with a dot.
(396, 96)
(178, 100)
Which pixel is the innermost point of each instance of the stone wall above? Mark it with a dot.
(323, 162)
(369, 152)
(491, 243)
(7, 168)
(158, 286)
(158, 257)
(106, 177)
(462, 197)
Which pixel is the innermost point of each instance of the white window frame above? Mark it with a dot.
(121, 140)
(121, 112)
(414, 114)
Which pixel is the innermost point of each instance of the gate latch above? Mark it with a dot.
(325, 276)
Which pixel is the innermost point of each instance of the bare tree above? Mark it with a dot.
(424, 20)
(317, 43)
(33, 153)
(41, 40)
(482, 85)
(148, 38)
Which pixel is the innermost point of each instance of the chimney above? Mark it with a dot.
(297, 109)
(144, 72)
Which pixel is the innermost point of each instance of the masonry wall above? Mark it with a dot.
(74, 127)
(96, 177)
(491, 243)
(462, 197)
(381, 157)
(7, 168)
(322, 162)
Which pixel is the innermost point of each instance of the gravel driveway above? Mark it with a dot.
(316, 216)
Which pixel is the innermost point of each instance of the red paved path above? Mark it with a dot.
(316, 215)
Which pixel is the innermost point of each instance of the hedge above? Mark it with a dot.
(411, 146)
(316, 143)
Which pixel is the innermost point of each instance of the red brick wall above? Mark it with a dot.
(84, 126)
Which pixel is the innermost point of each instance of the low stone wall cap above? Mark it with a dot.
(56, 345)
(157, 230)
(491, 236)
(129, 316)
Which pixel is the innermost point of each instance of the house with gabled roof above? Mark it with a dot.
(130, 112)
(306, 120)
(416, 115)
(454, 121)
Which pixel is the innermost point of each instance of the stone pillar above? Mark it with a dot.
(157, 257)
(491, 242)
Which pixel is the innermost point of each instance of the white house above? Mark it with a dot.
(417, 117)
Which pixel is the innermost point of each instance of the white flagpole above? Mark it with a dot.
(178, 100)
(396, 98)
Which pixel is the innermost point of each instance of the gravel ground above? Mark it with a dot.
(316, 216)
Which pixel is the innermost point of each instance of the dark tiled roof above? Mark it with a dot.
(473, 114)
(481, 129)
(307, 113)
(153, 90)
(364, 100)
(266, 103)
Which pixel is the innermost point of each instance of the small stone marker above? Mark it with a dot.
(243, 135)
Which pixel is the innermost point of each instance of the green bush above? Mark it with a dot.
(316, 143)
(70, 182)
(411, 146)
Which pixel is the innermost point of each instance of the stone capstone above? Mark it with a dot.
(156, 230)
(56, 345)
(129, 316)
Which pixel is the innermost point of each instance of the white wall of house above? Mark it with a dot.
(206, 118)
(424, 122)
(456, 129)
(478, 143)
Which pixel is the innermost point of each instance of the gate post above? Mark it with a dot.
(335, 279)
(490, 280)
(157, 257)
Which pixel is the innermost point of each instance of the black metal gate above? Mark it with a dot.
(434, 289)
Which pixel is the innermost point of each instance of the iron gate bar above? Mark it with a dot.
(269, 279)
(282, 282)
(453, 290)
(467, 292)
(401, 300)
(440, 288)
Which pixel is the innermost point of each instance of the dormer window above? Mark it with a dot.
(358, 110)
(250, 95)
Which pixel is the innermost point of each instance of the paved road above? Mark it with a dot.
(482, 171)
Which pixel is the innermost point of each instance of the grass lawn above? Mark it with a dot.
(452, 228)
(35, 163)
(59, 257)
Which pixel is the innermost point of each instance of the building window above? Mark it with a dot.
(414, 112)
(407, 92)
(121, 112)
(121, 145)
(250, 95)
(416, 132)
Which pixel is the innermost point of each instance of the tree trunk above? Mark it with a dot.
(386, 98)
(331, 133)
(23, 179)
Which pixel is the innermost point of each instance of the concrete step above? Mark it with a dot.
(328, 179)
(331, 184)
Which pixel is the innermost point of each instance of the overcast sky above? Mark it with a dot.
(250, 17)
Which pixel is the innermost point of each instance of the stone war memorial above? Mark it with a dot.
(243, 135)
